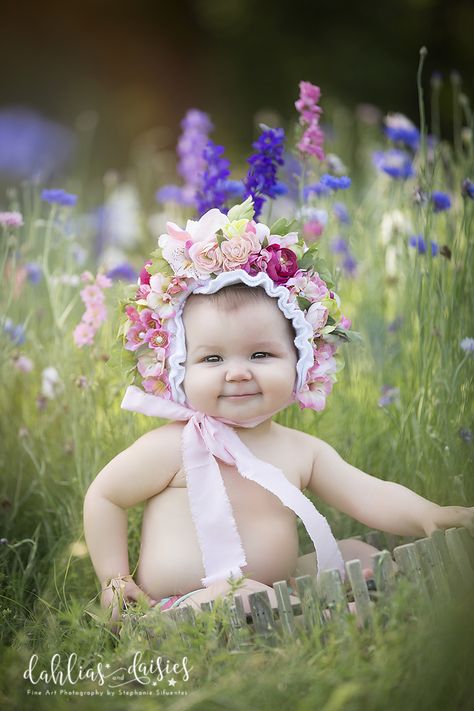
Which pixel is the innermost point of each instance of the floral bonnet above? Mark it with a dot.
(216, 251)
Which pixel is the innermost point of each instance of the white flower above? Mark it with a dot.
(394, 224)
(51, 384)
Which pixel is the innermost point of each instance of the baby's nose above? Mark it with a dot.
(237, 372)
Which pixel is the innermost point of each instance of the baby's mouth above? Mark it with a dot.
(239, 396)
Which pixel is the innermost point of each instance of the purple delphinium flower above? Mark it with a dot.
(340, 210)
(261, 180)
(467, 188)
(389, 395)
(397, 164)
(339, 246)
(467, 345)
(420, 244)
(31, 146)
(335, 183)
(441, 201)
(173, 193)
(349, 264)
(59, 197)
(212, 192)
(33, 272)
(399, 129)
(123, 272)
(234, 188)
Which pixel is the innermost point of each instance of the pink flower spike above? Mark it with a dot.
(103, 281)
(84, 335)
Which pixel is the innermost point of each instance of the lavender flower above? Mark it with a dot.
(468, 188)
(196, 127)
(59, 197)
(212, 192)
(399, 129)
(420, 244)
(397, 164)
(467, 344)
(441, 201)
(261, 180)
(335, 183)
(339, 246)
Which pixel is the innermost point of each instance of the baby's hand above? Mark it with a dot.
(449, 517)
(118, 591)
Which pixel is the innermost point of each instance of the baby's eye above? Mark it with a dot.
(212, 359)
(260, 354)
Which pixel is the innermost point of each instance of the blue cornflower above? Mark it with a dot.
(335, 183)
(33, 272)
(123, 272)
(420, 244)
(467, 345)
(16, 333)
(339, 246)
(468, 188)
(212, 192)
(441, 201)
(340, 210)
(59, 197)
(261, 180)
(397, 164)
(349, 264)
(317, 189)
(399, 129)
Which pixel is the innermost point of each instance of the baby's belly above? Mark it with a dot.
(170, 559)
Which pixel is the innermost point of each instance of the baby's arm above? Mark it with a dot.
(133, 476)
(384, 505)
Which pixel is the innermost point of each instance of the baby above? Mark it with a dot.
(240, 364)
(222, 490)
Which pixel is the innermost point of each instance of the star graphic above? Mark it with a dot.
(154, 683)
(107, 666)
(171, 682)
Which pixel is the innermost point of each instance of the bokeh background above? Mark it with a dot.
(120, 69)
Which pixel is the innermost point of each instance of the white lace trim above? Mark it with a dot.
(290, 309)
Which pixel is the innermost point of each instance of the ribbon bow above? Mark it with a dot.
(206, 439)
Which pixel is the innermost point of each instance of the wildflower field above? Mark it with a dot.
(390, 204)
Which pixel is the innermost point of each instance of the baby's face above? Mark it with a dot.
(241, 364)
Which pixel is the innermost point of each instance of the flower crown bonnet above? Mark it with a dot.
(216, 251)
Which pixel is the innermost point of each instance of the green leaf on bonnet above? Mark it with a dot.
(303, 303)
(159, 264)
(244, 211)
(282, 226)
(308, 259)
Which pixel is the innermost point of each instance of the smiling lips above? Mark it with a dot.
(239, 396)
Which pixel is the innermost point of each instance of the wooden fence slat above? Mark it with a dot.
(459, 555)
(384, 572)
(375, 538)
(239, 635)
(312, 614)
(440, 578)
(360, 591)
(262, 616)
(468, 542)
(450, 570)
(285, 609)
(423, 550)
(332, 594)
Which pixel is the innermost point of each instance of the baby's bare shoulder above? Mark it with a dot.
(298, 438)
